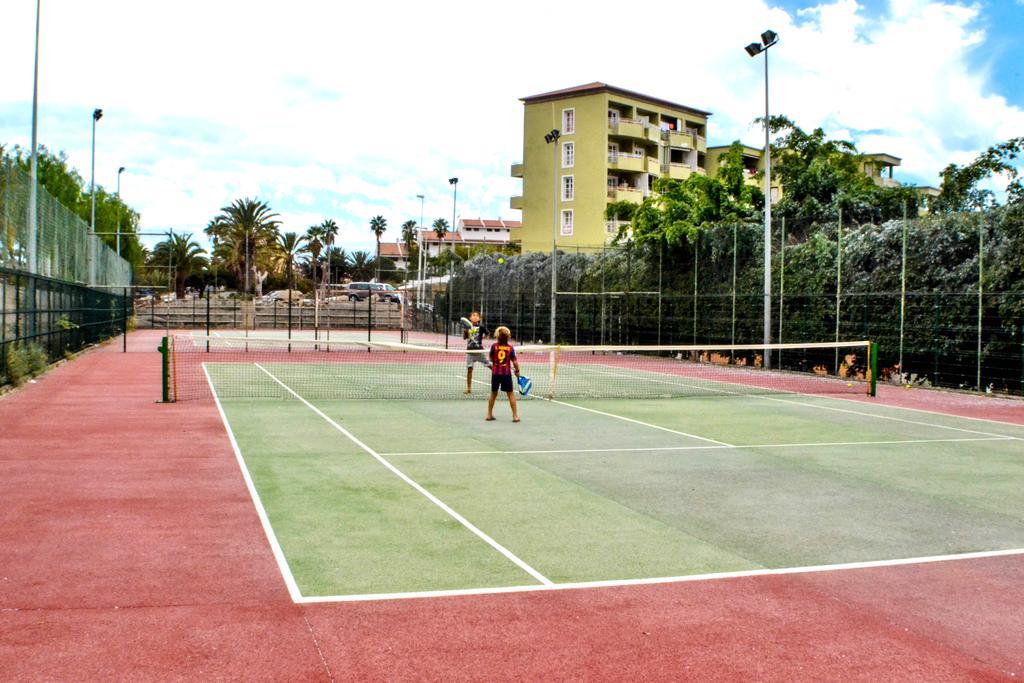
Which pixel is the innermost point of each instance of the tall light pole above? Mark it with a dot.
(120, 170)
(97, 114)
(552, 139)
(33, 197)
(420, 261)
(454, 182)
(768, 38)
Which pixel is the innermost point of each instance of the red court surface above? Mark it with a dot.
(132, 551)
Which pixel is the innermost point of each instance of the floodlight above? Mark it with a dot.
(753, 49)
(97, 114)
(769, 37)
(453, 181)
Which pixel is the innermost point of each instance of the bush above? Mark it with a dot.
(17, 364)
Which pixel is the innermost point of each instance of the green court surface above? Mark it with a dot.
(611, 490)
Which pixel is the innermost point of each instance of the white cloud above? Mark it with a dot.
(348, 111)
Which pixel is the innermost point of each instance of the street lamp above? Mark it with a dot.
(120, 170)
(768, 38)
(97, 114)
(552, 139)
(420, 259)
(33, 198)
(454, 182)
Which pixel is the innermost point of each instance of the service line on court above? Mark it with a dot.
(427, 494)
(282, 563)
(703, 448)
(616, 583)
(812, 405)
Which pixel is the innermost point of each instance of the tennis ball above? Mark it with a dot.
(849, 384)
(500, 260)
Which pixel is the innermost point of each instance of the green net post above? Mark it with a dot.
(873, 380)
(164, 371)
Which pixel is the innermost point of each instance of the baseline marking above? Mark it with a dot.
(702, 448)
(429, 496)
(809, 405)
(282, 563)
(847, 566)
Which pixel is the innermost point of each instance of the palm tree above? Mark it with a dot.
(409, 238)
(441, 228)
(362, 265)
(339, 262)
(329, 229)
(314, 245)
(289, 246)
(378, 224)
(182, 255)
(245, 230)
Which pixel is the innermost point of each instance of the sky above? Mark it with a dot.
(346, 111)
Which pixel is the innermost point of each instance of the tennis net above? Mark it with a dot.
(196, 367)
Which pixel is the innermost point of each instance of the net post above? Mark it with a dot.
(873, 368)
(164, 371)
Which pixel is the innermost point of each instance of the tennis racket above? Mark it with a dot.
(525, 384)
(465, 323)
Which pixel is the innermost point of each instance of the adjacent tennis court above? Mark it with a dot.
(378, 498)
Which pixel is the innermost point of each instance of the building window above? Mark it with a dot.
(568, 154)
(568, 189)
(568, 121)
(567, 223)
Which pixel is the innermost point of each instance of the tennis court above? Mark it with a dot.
(365, 498)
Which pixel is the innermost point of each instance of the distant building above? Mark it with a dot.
(470, 232)
(614, 143)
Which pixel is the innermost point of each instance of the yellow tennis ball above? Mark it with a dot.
(849, 384)
(500, 260)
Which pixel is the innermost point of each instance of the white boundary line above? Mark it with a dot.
(702, 448)
(431, 497)
(282, 563)
(814, 405)
(872, 564)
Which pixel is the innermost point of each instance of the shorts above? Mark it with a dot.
(501, 383)
(477, 357)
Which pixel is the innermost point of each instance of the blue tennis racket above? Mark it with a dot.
(525, 384)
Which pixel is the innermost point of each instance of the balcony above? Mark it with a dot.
(678, 171)
(517, 170)
(680, 139)
(627, 128)
(516, 202)
(626, 161)
(625, 193)
(653, 166)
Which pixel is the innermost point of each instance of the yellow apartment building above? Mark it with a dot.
(613, 144)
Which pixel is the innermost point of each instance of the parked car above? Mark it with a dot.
(386, 292)
(359, 291)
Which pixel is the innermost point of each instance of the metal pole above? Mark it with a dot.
(659, 291)
(554, 242)
(420, 260)
(455, 198)
(981, 287)
(839, 280)
(903, 289)
(696, 262)
(782, 281)
(33, 197)
(92, 192)
(734, 244)
(767, 224)
(119, 172)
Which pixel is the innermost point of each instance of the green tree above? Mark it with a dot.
(378, 224)
(182, 255)
(329, 230)
(289, 245)
(245, 233)
(362, 265)
(440, 226)
(960, 191)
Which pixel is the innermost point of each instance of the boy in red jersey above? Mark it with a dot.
(503, 359)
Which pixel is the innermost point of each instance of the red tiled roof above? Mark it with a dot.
(489, 223)
(599, 87)
(393, 250)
